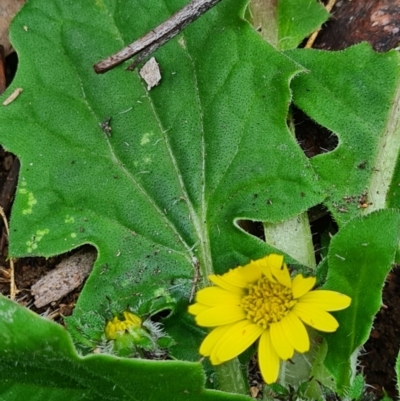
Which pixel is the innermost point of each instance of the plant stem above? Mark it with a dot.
(232, 378)
(293, 237)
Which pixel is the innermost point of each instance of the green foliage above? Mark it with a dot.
(357, 388)
(298, 19)
(359, 261)
(39, 362)
(397, 367)
(285, 23)
(386, 397)
(168, 192)
(393, 199)
(352, 94)
(184, 159)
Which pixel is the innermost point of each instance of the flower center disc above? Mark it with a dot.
(267, 302)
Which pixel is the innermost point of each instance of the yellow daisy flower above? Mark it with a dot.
(117, 327)
(261, 301)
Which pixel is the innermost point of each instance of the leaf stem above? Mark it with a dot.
(232, 378)
(294, 238)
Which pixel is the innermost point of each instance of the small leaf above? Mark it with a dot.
(397, 368)
(359, 259)
(357, 388)
(298, 19)
(284, 24)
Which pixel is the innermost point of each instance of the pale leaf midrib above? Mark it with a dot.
(121, 166)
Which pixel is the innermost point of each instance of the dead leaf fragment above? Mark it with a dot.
(67, 276)
(151, 74)
(8, 9)
(12, 97)
(254, 391)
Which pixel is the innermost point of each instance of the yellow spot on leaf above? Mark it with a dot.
(69, 219)
(146, 138)
(31, 200)
(37, 237)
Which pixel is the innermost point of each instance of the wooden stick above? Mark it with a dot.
(160, 35)
(13, 287)
(3, 81)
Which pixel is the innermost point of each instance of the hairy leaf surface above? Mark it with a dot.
(160, 194)
(359, 260)
(39, 362)
(355, 94)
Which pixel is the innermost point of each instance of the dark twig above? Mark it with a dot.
(8, 190)
(160, 35)
(3, 82)
(13, 287)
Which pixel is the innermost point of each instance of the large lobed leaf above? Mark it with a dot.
(355, 94)
(184, 162)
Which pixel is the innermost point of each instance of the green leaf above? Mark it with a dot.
(297, 20)
(359, 259)
(39, 362)
(357, 388)
(385, 397)
(184, 161)
(397, 368)
(393, 197)
(285, 23)
(355, 94)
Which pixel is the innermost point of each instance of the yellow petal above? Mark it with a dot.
(251, 272)
(279, 269)
(316, 317)
(134, 320)
(280, 342)
(301, 285)
(296, 332)
(221, 282)
(236, 340)
(326, 300)
(220, 315)
(215, 296)
(197, 308)
(274, 261)
(215, 361)
(266, 268)
(268, 359)
(111, 329)
(242, 276)
(212, 339)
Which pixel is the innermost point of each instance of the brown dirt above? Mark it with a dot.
(379, 358)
